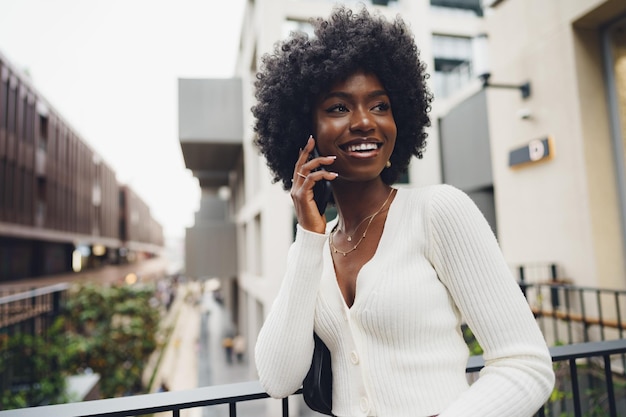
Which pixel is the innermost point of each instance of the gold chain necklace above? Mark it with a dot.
(357, 227)
(331, 236)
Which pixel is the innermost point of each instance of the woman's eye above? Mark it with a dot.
(382, 106)
(337, 108)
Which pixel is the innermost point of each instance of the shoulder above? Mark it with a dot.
(435, 194)
(441, 203)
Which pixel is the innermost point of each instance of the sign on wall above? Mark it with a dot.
(537, 150)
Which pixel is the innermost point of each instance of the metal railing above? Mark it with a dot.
(30, 309)
(234, 394)
(26, 312)
(579, 311)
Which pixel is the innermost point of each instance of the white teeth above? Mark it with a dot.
(362, 147)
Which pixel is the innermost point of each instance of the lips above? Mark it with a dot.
(360, 146)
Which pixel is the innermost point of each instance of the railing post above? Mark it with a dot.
(570, 337)
(583, 313)
(600, 315)
(522, 280)
(618, 309)
(608, 376)
(573, 370)
(286, 407)
(554, 291)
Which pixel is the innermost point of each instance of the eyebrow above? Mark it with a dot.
(341, 94)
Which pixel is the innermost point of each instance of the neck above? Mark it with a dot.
(356, 201)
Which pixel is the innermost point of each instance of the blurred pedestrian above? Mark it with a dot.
(239, 347)
(227, 343)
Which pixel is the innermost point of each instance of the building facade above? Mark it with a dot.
(567, 206)
(61, 206)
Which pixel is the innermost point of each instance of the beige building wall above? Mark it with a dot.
(565, 210)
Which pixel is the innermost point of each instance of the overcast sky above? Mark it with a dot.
(110, 68)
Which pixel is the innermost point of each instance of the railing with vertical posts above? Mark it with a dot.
(30, 312)
(234, 394)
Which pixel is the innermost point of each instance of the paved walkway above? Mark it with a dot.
(194, 356)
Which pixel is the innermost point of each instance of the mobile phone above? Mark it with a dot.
(321, 189)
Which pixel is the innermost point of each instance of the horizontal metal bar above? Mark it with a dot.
(567, 352)
(585, 350)
(572, 287)
(148, 403)
(26, 295)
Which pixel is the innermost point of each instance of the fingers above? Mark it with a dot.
(306, 174)
(306, 166)
(303, 158)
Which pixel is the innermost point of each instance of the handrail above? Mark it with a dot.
(565, 352)
(245, 391)
(149, 403)
(26, 295)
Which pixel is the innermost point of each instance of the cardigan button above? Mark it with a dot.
(365, 404)
(354, 357)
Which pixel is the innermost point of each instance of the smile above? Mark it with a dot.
(361, 147)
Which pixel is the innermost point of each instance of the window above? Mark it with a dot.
(453, 63)
(457, 7)
(4, 102)
(11, 106)
(43, 132)
(296, 26)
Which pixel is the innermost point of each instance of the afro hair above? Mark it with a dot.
(301, 67)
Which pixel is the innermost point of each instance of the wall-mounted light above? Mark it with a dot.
(523, 88)
(482, 70)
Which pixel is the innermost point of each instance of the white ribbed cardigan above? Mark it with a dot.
(398, 351)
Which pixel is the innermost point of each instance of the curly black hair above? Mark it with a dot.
(300, 68)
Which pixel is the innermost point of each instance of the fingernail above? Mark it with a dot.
(332, 156)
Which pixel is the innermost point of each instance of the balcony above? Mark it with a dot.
(210, 113)
(570, 356)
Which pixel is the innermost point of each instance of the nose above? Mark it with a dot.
(361, 120)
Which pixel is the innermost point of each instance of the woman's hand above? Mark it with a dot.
(305, 175)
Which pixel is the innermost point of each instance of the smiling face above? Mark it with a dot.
(353, 120)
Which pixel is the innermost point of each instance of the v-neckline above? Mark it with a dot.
(388, 229)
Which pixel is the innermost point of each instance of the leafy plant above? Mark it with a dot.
(34, 361)
(470, 340)
(110, 330)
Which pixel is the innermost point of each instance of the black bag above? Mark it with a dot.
(317, 387)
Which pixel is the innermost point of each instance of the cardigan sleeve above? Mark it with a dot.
(284, 347)
(518, 376)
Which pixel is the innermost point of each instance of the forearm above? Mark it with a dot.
(285, 343)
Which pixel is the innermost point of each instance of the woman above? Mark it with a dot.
(387, 284)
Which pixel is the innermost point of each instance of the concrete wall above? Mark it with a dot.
(564, 210)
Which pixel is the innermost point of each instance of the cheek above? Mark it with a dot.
(326, 131)
(392, 135)
(390, 129)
